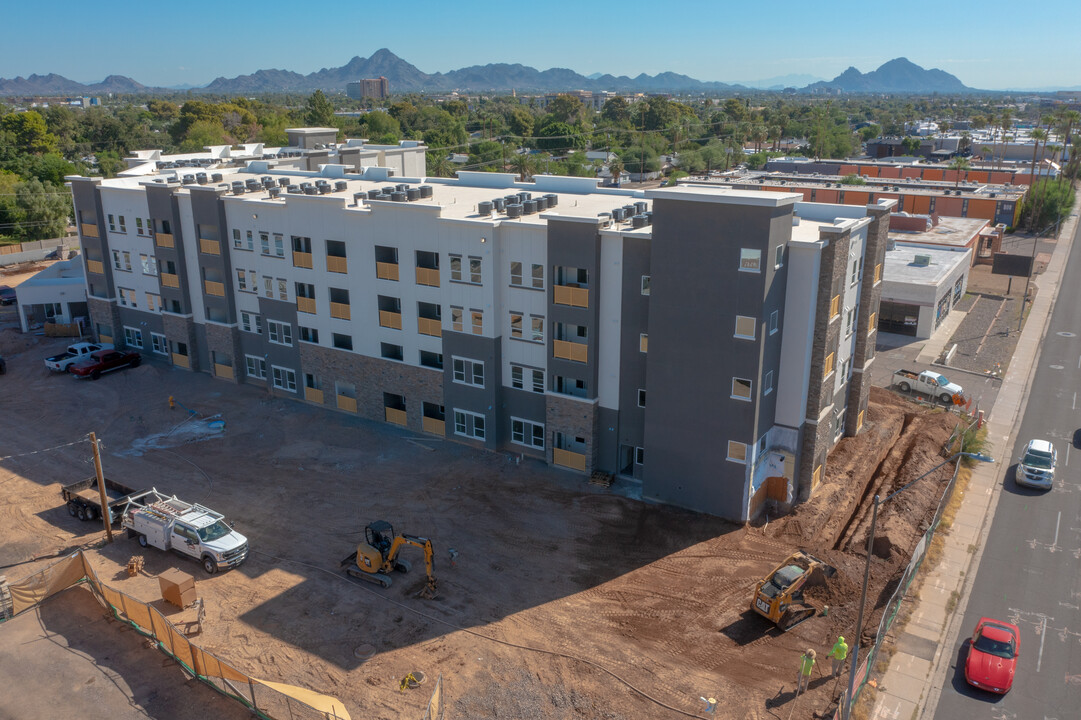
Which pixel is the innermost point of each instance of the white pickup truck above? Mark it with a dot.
(189, 529)
(75, 353)
(929, 383)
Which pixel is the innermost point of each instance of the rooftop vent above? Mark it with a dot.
(921, 260)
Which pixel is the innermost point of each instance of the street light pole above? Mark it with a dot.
(850, 700)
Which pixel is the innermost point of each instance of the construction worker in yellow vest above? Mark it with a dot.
(806, 665)
(838, 655)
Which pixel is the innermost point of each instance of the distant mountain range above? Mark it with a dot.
(895, 76)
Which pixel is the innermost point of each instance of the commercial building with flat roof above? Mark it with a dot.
(708, 343)
(375, 88)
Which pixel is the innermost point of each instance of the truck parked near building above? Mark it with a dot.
(189, 529)
(83, 499)
(74, 354)
(932, 384)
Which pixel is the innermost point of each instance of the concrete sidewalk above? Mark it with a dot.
(911, 685)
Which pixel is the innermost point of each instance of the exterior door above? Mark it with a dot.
(186, 541)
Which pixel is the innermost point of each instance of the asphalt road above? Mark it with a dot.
(1030, 572)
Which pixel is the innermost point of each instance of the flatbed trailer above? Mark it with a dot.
(83, 499)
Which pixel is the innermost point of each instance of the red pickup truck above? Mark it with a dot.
(104, 361)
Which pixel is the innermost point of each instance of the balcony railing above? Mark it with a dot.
(306, 305)
(337, 264)
(339, 310)
(164, 240)
(568, 459)
(181, 360)
(433, 426)
(313, 395)
(429, 326)
(396, 416)
(170, 280)
(95, 266)
(572, 296)
(347, 403)
(216, 289)
(570, 351)
(302, 260)
(89, 230)
(386, 271)
(209, 247)
(223, 371)
(389, 319)
(428, 276)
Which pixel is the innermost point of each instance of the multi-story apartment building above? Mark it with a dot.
(376, 88)
(707, 342)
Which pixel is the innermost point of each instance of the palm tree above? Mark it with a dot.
(523, 164)
(1005, 122)
(615, 168)
(1037, 135)
(961, 165)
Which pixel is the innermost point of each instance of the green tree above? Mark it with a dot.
(382, 128)
(202, 134)
(559, 137)
(616, 111)
(29, 131)
(869, 132)
(615, 168)
(911, 145)
(318, 112)
(523, 164)
(521, 122)
(961, 165)
(45, 209)
(163, 110)
(567, 109)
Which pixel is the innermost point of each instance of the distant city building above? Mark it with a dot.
(377, 88)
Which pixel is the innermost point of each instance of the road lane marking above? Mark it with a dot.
(1075, 400)
(1059, 520)
(1039, 660)
(1068, 449)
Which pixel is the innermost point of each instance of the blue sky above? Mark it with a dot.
(992, 44)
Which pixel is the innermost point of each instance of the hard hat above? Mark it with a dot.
(840, 638)
(811, 653)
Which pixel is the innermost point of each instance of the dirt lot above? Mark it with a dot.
(564, 600)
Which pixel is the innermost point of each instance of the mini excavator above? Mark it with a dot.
(378, 556)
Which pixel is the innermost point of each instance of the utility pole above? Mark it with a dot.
(101, 488)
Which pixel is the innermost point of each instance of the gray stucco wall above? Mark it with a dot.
(574, 245)
(483, 401)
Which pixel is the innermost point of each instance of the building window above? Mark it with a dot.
(456, 319)
(241, 280)
(878, 273)
(468, 372)
(645, 284)
(737, 451)
(308, 335)
(390, 351)
(250, 322)
(774, 321)
(835, 307)
(477, 320)
(767, 383)
(741, 389)
(432, 360)
(538, 276)
(536, 330)
(871, 326)
(639, 456)
(283, 290)
(456, 268)
(268, 286)
(527, 433)
(516, 325)
(150, 267)
(643, 342)
(516, 273)
(855, 276)
(846, 369)
(284, 378)
(750, 260)
(279, 245)
(255, 367)
(827, 367)
(250, 241)
(641, 398)
(342, 342)
(474, 270)
(133, 337)
(850, 322)
(237, 242)
(127, 297)
(122, 228)
(778, 256)
(153, 302)
(264, 243)
(469, 424)
(746, 327)
(112, 225)
(159, 344)
(279, 333)
(520, 375)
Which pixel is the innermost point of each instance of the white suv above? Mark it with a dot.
(1036, 468)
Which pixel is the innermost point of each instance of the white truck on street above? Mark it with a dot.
(932, 384)
(189, 529)
(74, 353)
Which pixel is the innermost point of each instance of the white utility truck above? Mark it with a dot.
(937, 386)
(189, 529)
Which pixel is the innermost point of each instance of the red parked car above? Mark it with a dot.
(992, 657)
(104, 361)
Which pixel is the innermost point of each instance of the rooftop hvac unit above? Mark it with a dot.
(324, 189)
(200, 178)
(284, 182)
(552, 199)
(499, 204)
(649, 217)
(401, 187)
(305, 185)
(511, 200)
(994, 194)
(293, 189)
(485, 208)
(238, 190)
(310, 190)
(340, 186)
(617, 214)
(514, 210)
(629, 211)
(357, 197)
(921, 260)
(523, 196)
(189, 179)
(374, 194)
(638, 221)
(542, 203)
(529, 207)
(266, 179)
(640, 207)
(389, 189)
(275, 192)
(605, 219)
(412, 194)
(425, 191)
(216, 177)
(398, 196)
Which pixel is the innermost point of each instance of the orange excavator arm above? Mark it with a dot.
(429, 557)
